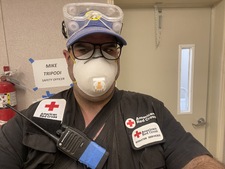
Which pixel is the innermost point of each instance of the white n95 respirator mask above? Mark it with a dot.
(95, 76)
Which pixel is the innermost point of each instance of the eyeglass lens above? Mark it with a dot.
(85, 50)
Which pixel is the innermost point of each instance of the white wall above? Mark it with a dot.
(32, 30)
(214, 135)
(3, 54)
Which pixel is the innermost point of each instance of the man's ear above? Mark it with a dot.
(66, 54)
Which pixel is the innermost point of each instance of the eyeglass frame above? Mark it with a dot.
(71, 48)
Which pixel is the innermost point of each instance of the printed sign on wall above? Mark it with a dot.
(50, 73)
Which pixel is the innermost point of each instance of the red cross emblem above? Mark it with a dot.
(137, 134)
(130, 123)
(51, 106)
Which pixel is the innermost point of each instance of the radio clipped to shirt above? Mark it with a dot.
(75, 145)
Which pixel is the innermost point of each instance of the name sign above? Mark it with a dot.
(51, 73)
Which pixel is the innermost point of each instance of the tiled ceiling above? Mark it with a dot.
(165, 3)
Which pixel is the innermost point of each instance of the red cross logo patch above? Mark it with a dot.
(52, 109)
(146, 134)
(130, 123)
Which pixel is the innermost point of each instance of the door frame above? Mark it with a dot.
(220, 146)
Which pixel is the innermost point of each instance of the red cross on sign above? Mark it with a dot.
(51, 106)
(137, 134)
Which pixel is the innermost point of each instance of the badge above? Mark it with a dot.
(52, 109)
(146, 135)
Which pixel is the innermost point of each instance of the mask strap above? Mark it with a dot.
(64, 30)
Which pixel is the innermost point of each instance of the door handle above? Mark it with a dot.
(201, 122)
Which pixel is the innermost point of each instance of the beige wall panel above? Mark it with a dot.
(3, 54)
(33, 30)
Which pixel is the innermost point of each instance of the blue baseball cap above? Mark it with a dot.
(92, 28)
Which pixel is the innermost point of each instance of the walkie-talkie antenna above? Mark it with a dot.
(39, 127)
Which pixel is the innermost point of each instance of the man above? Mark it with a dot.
(129, 130)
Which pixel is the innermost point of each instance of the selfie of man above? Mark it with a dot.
(94, 123)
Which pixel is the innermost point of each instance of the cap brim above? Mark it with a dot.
(91, 30)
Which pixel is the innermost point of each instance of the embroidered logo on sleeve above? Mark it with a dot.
(51, 109)
(130, 123)
(146, 134)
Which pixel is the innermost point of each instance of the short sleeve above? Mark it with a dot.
(180, 147)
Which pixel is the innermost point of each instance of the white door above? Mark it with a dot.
(155, 71)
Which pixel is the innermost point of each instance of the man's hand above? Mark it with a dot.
(204, 162)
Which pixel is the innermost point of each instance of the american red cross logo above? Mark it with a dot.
(137, 134)
(130, 123)
(51, 106)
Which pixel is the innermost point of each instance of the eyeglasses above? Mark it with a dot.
(85, 50)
